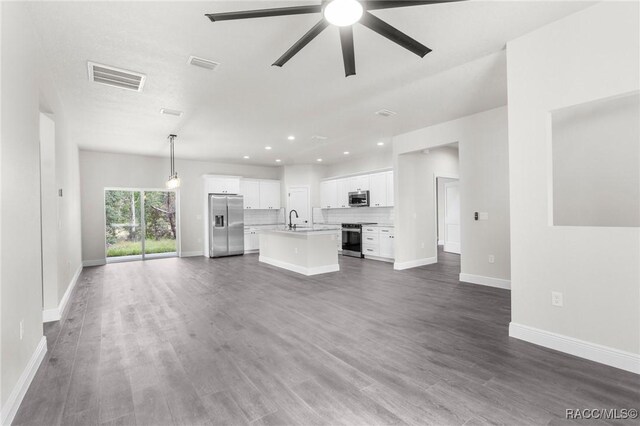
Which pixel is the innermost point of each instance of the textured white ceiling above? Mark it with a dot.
(246, 104)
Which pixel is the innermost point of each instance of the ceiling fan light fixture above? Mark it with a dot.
(343, 13)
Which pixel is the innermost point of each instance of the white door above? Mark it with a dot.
(329, 194)
(452, 217)
(342, 193)
(389, 178)
(378, 188)
(250, 190)
(269, 194)
(298, 200)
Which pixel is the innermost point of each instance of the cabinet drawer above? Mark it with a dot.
(371, 250)
(370, 239)
(369, 230)
(386, 230)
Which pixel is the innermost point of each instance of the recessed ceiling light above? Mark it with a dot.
(319, 160)
(386, 113)
(267, 148)
(278, 160)
(346, 153)
(291, 138)
(380, 143)
(203, 63)
(174, 112)
(246, 157)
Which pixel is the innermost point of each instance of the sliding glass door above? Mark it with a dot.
(160, 223)
(140, 224)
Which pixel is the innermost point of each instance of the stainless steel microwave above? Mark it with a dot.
(359, 199)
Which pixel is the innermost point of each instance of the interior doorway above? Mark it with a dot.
(448, 213)
(140, 224)
(451, 219)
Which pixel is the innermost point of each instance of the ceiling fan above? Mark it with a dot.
(343, 14)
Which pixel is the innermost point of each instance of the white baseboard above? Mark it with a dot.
(488, 281)
(592, 351)
(10, 408)
(49, 315)
(381, 259)
(300, 269)
(414, 263)
(191, 253)
(96, 262)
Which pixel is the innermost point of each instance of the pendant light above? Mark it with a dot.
(174, 180)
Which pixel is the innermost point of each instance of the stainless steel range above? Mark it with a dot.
(352, 238)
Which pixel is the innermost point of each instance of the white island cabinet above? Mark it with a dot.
(307, 251)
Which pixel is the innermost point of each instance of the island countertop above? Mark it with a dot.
(306, 230)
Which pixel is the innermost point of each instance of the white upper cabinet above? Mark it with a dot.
(390, 195)
(358, 183)
(378, 190)
(260, 194)
(342, 193)
(250, 190)
(329, 194)
(269, 194)
(223, 185)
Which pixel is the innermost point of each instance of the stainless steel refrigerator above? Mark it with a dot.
(226, 225)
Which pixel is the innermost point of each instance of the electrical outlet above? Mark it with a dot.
(295, 250)
(492, 259)
(21, 329)
(422, 245)
(556, 298)
(484, 216)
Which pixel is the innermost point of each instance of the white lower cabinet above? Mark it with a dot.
(251, 241)
(378, 242)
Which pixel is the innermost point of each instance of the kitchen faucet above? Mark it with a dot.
(290, 225)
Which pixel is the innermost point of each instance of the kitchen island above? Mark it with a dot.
(307, 251)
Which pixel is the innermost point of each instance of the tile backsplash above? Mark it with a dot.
(353, 215)
(263, 217)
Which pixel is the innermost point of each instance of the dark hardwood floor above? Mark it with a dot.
(231, 341)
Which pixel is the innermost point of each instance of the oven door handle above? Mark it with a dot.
(350, 230)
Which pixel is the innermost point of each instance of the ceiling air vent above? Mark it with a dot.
(202, 63)
(174, 112)
(116, 77)
(319, 138)
(386, 113)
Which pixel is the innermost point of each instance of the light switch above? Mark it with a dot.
(484, 216)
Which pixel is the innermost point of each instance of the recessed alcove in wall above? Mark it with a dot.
(596, 162)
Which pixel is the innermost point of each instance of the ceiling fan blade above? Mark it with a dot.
(310, 35)
(378, 25)
(264, 13)
(348, 55)
(388, 4)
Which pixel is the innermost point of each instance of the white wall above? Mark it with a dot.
(103, 170)
(587, 56)
(49, 212)
(303, 175)
(415, 202)
(382, 158)
(484, 186)
(27, 89)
